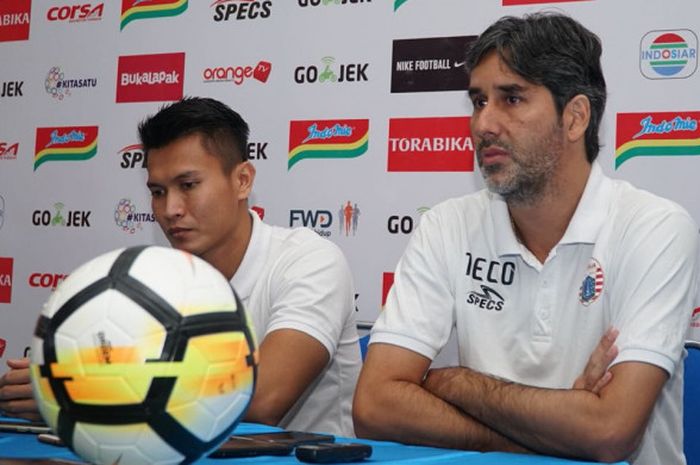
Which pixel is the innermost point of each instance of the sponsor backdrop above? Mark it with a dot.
(358, 110)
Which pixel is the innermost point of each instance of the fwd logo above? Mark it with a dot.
(318, 220)
(487, 299)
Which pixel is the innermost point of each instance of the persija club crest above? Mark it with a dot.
(592, 285)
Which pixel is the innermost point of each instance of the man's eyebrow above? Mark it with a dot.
(511, 88)
(472, 91)
(179, 177)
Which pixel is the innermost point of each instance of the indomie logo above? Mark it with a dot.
(656, 134)
(347, 138)
(146, 9)
(73, 143)
(75, 13)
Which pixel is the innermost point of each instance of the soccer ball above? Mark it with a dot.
(143, 356)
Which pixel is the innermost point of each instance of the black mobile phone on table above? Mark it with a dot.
(272, 443)
(333, 452)
(34, 427)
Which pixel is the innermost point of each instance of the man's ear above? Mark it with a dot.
(576, 117)
(243, 175)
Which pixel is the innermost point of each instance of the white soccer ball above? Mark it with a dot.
(143, 356)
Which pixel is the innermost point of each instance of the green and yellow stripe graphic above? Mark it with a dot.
(152, 11)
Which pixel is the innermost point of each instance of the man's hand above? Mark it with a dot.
(596, 374)
(16, 399)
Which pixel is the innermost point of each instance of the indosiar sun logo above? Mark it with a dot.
(664, 134)
(668, 54)
(72, 143)
(147, 9)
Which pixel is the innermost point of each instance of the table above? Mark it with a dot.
(18, 445)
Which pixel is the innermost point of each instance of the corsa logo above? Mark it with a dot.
(76, 13)
(387, 282)
(6, 280)
(147, 9)
(662, 134)
(8, 150)
(150, 78)
(430, 144)
(46, 280)
(14, 19)
(71, 143)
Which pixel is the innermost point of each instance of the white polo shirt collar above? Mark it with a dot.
(588, 219)
(254, 258)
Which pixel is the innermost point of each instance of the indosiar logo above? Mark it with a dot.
(659, 134)
(668, 54)
(331, 72)
(72, 143)
(147, 9)
(305, 3)
(59, 217)
(226, 10)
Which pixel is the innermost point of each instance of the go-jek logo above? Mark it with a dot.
(69, 219)
(341, 138)
(305, 3)
(76, 13)
(238, 74)
(71, 143)
(147, 9)
(668, 54)
(656, 134)
(129, 219)
(350, 72)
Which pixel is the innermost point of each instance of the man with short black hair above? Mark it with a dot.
(295, 286)
(531, 271)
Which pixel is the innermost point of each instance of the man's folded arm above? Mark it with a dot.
(568, 422)
(391, 404)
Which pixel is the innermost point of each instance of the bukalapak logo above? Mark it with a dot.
(338, 138)
(240, 10)
(656, 134)
(426, 65)
(147, 9)
(668, 54)
(15, 17)
(430, 144)
(8, 150)
(6, 280)
(75, 12)
(68, 143)
(133, 156)
(329, 71)
(238, 74)
(150, 78)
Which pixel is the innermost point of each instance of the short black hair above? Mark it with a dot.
(553, 50)
(224, 132)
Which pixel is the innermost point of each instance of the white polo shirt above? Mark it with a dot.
(294, 279)
(627, 259)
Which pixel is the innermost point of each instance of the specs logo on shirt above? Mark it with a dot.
(488, 299)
